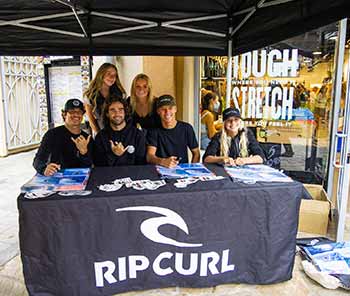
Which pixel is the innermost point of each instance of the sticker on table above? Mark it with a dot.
(110, 187)
(38, 194)
(74, 193)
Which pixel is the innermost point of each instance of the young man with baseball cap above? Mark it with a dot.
(119, 142)
(65, 146)
(234, 145)
(167, 145)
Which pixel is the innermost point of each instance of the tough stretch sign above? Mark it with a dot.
(252, 91)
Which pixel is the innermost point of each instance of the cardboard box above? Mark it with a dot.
(313, 214)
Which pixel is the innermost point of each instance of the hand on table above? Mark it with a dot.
(229, 161)
(51, 168)
(118, 148)
(170, 162)
(82, 144)
(240, 161)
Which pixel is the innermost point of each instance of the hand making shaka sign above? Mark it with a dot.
(118, 148)
(82, 144)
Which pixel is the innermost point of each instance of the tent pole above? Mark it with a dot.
(336, 94)
(229, 69)
(344, 173)
(80, 23)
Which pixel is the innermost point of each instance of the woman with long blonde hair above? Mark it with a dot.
(141, 101)
(105, 83)
(234, 145)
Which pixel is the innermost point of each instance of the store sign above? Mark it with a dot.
(254, 94)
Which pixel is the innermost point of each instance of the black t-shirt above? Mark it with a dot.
(174, 141)
(129, 136)
(58, 147)
(148, 122)
(253, 146)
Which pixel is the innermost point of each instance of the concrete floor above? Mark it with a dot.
(17, 169)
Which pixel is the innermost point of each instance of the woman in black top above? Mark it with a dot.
(235, 145)
(143, 113)
(105, 83)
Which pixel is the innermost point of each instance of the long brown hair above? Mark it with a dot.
(133, 91)
(206, 100)
(96, 84)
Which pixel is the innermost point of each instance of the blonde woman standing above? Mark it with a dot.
(235, 145)
(105, 83)
(141, 101)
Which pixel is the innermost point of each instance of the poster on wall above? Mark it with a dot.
(65, 83)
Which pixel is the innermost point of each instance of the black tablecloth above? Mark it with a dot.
(207, 234)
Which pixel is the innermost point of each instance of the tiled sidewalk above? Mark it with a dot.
(12, 284)
(15, 170)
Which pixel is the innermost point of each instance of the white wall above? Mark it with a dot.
(188, 91)
(128, 68)
(97, 61)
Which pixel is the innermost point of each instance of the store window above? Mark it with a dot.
(284, 93)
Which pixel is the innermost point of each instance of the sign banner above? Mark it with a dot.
(105, 244)
(256, 90)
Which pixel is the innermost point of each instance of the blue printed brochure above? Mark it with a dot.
(256, 173)
(332, 258)
(184, 170)
(64, 180)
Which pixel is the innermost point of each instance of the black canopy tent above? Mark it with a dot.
(157, 27)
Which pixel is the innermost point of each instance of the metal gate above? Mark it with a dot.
(20, 81)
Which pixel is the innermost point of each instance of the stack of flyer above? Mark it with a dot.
(184, 170)
(64, 180)
(256, 173)
(332, 258)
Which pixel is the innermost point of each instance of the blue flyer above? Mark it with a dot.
(184, 170)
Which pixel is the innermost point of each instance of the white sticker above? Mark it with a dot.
(73, 193)
(110, 187)
(38, 194)
(122, 181)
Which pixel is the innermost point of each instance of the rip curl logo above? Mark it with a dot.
(150, 227)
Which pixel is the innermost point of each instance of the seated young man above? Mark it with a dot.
(167, 145)
(65, 146)
(119, 142)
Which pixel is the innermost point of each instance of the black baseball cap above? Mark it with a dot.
(165, 100)
(72, 104)
(230, 112)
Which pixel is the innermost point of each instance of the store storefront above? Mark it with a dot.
(285, 93)
(295, 96)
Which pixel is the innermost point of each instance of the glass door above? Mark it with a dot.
(340, 161)
(284, 93)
